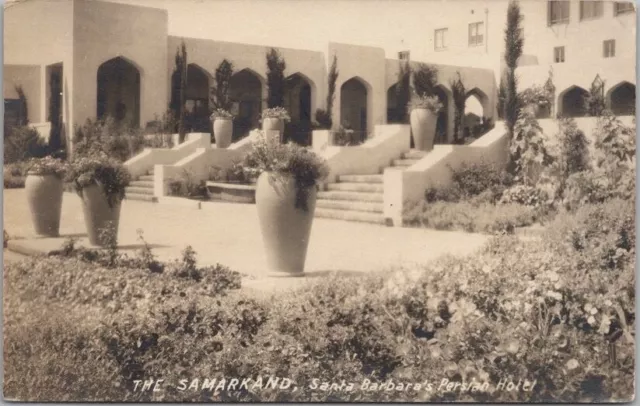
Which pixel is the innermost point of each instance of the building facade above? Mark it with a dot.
(89, 59)
(576, 41)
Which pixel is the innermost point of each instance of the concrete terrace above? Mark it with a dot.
(230, 234)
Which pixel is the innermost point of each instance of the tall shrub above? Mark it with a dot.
(459, 101)
(23, 119)
(594, 103)
(502, 96)
(179, 90)
(275, 79)
(403, 89)
(224, 71)
(425, 79)
(550, 88)
(324, 117)
(514, 43)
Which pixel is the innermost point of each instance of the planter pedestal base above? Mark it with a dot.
(274, 274)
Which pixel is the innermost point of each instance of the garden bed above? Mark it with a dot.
(231, 192)
(558, 312)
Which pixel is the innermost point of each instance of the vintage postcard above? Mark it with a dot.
(319, 201)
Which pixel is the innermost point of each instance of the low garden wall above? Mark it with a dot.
(402, 187)
(198, 164)
(144, 161)
(388, 143)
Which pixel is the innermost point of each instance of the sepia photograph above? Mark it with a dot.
(304, 201)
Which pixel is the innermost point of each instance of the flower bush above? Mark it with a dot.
(523, 194)
(559, 311)
(306, 167)
(47, 166)
(103, 171)
(431, 103)
(536, 95)
(478, 180)
(236, 173)
(23, 143)
(15, 174)
(221, 114)
(108, 137)
(276, 112)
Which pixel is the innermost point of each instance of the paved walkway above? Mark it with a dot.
(230, 234)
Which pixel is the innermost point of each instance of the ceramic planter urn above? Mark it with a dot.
(222, 131)
(285, 228)
(98, 215)
(273, 124)
(423, 127)
(44, 195)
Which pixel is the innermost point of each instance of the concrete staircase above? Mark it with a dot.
(359, 197)
(142, 189)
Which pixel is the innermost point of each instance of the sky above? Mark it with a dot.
(393, 25)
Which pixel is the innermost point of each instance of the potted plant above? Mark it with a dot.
(44, 187)
(100, 182)
(222, 127)
(286, 198)
(423, 119)
(273, 119)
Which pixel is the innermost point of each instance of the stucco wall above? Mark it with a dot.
(208, 54)
(103, 31)
(27, 76)
(40, 33)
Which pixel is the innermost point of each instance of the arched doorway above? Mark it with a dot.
(298, 91)
(197, 100)
(622, 99)
(119, 91)
(571, 102)
(395, 113)
(353, 107)
(442, 125)
(245, 93)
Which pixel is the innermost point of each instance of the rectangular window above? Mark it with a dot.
(609, 48)
(590, 10)
(621, 7)
(403, 56)
(440, 39)
(476, 35)
(558, 12)
(558, 54)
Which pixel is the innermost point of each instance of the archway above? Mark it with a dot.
(395, 113)
(474, 115)
(197, 100)
(442, 125)
(298, 96)
(245, 93)
(622, 99)
(353, 107)
(119, 91)
(571, 102)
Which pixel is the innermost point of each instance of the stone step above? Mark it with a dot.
(356, 187)
(414, 154)
(359, 216)
(140, 197)
(146, 178)
(360, 178)
(368, 207)
(404, 162)
(142, 183)
(351, 196)
(139, 190)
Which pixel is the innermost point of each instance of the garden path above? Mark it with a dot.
(230, 234)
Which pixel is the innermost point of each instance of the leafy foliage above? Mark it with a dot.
(431, 103)
(22, 143)
(403, 88)
(107, 137)
(594, 103)
(425, 79)
(103, 171)
(528, 150)
(275, 79)
(220, 92)
(332, 78)
(179, 90)
(47, 166)
(514, 43)
(307, 168)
